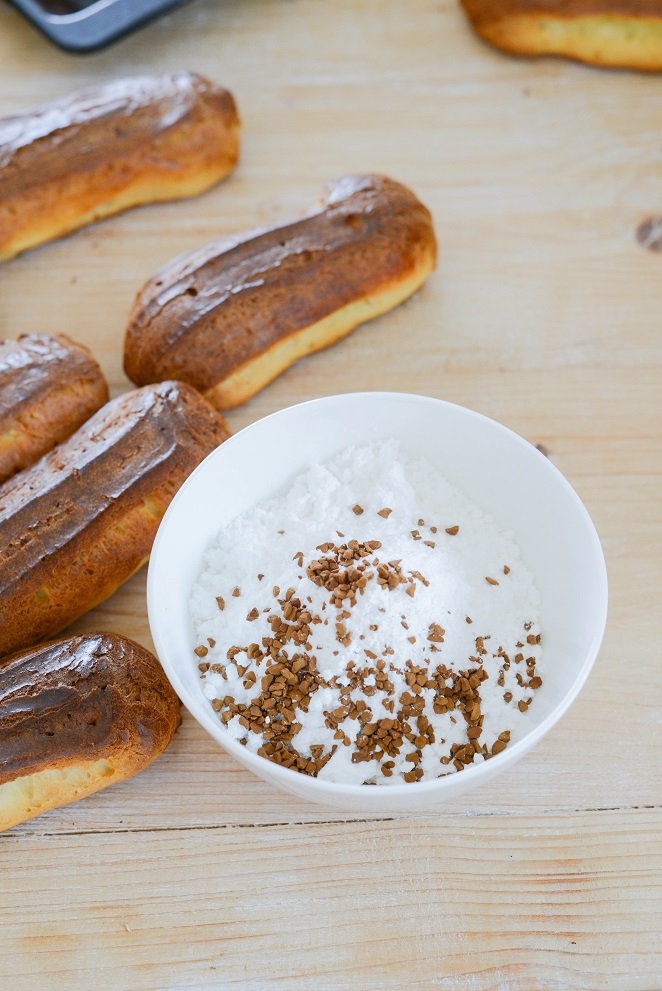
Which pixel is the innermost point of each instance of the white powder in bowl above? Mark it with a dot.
(369, 624)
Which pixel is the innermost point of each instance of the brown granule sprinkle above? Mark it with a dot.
(436, 633)
(279, 670)
(343, 569)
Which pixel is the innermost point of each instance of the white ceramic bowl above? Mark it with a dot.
(500, 471)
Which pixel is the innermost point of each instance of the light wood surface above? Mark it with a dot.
(544, 313)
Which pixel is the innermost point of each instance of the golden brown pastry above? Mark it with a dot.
(620, 33)
(82, 520)
(49, 385)
(78, 715)
(109, 148)
(233, 315)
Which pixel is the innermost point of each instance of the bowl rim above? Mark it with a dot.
(395, 792)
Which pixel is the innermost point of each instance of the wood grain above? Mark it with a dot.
(544, 313)
(528, 904)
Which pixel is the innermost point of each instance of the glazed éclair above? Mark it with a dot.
(108, 148)
(77, 715)
(81, 521)
(233, 315)
(624, 34)
(49, 386)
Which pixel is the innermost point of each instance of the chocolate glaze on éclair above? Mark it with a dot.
(210, 312)
(83, 699)
(77, 524)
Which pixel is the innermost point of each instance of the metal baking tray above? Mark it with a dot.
(85, 25)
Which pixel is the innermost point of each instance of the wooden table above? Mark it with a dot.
(544, 313)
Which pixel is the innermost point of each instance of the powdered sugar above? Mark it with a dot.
(375, 657)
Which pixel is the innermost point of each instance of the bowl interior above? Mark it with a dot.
(498, 470)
